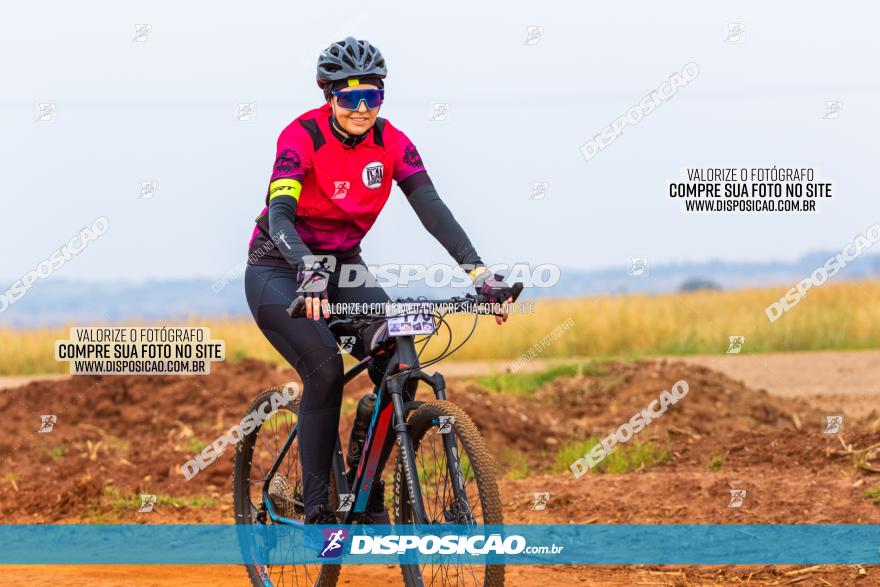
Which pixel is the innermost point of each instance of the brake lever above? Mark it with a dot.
(517, 289)
(339, 321)
(297, 308)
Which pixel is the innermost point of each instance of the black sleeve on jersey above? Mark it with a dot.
(437, 218)
(282, 215)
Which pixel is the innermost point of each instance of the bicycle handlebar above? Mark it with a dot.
(297, 308)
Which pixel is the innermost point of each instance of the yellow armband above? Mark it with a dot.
(285, 187)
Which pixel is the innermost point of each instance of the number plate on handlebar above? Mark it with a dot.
(408, 319)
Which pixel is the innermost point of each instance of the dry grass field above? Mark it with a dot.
(836, 316)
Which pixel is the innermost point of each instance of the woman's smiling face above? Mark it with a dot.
(355, 122)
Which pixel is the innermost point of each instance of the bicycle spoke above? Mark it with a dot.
(275, 435)
(434, 460)
(295, 441)
(444, 479)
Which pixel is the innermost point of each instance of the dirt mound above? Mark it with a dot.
(572, 409)
(714, 405)
(121, 436)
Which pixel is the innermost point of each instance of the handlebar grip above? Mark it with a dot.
(297, 308)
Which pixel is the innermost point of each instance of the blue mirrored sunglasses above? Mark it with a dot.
(351, 99)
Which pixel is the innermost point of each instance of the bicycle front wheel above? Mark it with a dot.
(482, 503)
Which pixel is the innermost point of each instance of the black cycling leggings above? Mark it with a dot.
(310, 347)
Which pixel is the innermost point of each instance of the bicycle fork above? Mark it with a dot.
(407, 453)
(460, 509)
(461, 504)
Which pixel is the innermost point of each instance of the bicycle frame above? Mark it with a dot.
(396, 398)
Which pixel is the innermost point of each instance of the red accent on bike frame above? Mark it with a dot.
(381, 433)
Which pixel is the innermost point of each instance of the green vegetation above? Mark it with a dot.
(570, 452)
(121, 502)
(513, 463)
(57, 453)
(624, 458)
(527, 383)
(716, 463)
(190, 502)
(872, 494)
(195, 444)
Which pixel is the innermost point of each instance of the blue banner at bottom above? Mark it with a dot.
(687, 544)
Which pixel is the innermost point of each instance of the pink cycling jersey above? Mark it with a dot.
(343, 188)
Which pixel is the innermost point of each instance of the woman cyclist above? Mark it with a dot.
(332, 176)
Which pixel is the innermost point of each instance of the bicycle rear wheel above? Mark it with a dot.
(483, 499)
(254, 457)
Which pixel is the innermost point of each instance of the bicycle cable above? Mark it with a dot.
(454, 350)
(446, 354)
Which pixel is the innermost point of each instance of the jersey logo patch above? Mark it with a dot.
(411, 156)
(372, 175)
(340, 189)
(288, 161)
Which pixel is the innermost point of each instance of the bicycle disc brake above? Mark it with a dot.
(458, 512)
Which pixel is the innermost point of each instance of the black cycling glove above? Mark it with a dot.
(492, 286)
(313, 281)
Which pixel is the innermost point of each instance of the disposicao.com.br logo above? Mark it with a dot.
(382, 544)
(451, 544)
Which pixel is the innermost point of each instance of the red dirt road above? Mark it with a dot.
(117, 437)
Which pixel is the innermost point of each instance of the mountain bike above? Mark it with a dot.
(443, 473)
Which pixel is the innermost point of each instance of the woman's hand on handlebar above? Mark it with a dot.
(495, 290)
(313, 281)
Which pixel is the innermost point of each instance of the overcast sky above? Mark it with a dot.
(163, 109)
